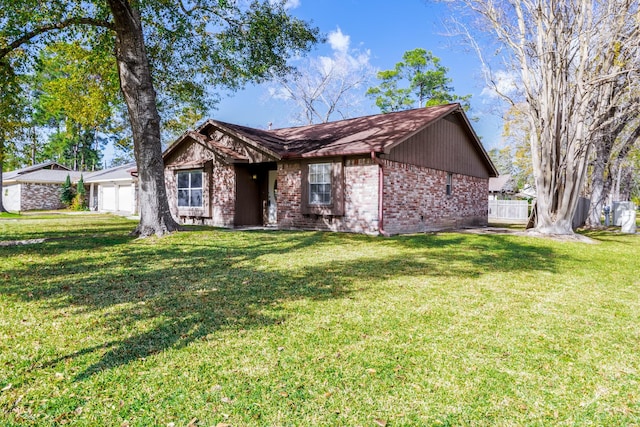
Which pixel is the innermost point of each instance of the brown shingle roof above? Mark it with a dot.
(362, 135)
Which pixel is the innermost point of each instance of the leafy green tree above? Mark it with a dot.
(502, 159)
(76, 94)
(515, 133)
(164, 50)
(419, 80)
(66, 192)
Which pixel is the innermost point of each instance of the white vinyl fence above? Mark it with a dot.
(511, 210)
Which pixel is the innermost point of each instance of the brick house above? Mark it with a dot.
(35, 187)
(402, 172)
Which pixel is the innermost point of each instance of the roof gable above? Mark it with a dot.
(45, 176)
(363, 135)
(50, 165)
(118, 173)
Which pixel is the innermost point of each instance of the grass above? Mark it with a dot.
(9, 215)
(264, 328)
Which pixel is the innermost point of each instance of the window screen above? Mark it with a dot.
(190, 189)
(320, 184)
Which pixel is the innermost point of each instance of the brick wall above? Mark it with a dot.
(40, 196)
(360, 199)
(415, 199)
(223, 195)
(219, 187)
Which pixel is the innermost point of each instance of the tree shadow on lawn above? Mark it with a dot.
(612, 236)
(179, 291)
(62, 228)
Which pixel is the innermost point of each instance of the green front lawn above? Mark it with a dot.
(213, 327)
(9, 215)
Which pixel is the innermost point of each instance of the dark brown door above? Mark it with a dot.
(248, 206)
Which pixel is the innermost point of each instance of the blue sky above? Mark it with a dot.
(384, 30)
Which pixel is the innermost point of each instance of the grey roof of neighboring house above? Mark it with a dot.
(118, 173)
(47, 166)
(43, 176)
(54, 173)
(502, 184)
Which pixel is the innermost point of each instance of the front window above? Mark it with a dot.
(320, 184)
(449, 187)
(190, 189)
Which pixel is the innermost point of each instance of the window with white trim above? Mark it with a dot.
(320, 183)
(190, 189)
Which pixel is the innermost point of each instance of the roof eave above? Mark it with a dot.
(332, 153)
(493, 171)
(256, 145)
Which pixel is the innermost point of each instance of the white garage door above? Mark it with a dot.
(108, 198)
(125, 199)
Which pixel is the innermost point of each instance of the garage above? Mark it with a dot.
(115, 190)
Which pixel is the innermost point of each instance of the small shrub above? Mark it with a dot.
(79, 202)
(66, 192)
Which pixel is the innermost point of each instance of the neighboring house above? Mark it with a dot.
(527, 192)
(504, 202)
(393, 173)
(502, 187)
(114, 190)
(35, 187)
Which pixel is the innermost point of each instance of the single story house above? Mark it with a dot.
(35, 187)
(401, 172)
(114, 190)
(502, 187)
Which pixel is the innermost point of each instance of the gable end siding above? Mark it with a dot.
(445, 145)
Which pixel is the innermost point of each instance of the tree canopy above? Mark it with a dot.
(419, 80)
(174, 53)
(76, 93)
(576, 63)
(12, 110)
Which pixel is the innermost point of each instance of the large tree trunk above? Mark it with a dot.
(140, 96)
(599, 185)
(598, 195)
(2, 209)
(578, 60)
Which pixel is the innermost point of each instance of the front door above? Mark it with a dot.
(248, 211)
(255, 194)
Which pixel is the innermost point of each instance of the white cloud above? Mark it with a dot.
(504, 82)
(289, 4)
(338, 41)
(279, 93)
(292, 4)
